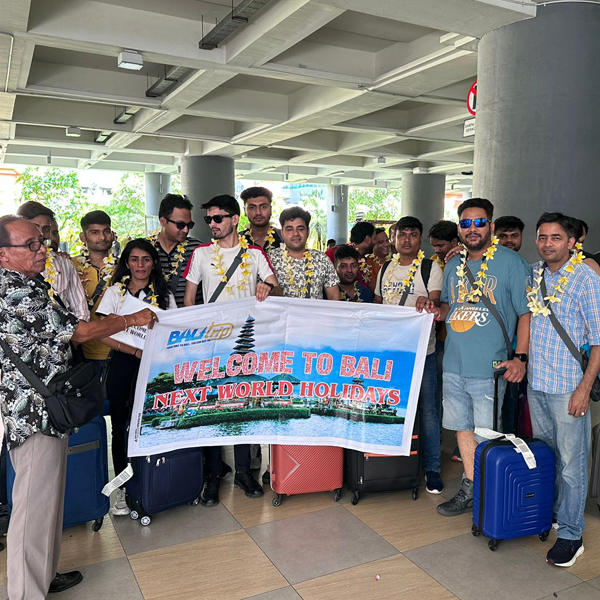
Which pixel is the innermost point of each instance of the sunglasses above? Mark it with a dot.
(466, 223)
(216, 218)
(181, 224)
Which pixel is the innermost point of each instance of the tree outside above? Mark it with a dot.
(374, 204)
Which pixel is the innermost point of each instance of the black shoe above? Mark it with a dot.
(255, 457)
(64, 581)
(210, 491)
(245, 481)
(266, 478)
(225, 470)
(564, 553)
(461, 503)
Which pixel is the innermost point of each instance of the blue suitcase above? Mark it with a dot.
(509, 499)
(87, 474)
(163, 481)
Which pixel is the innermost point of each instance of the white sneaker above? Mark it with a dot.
(120, 508)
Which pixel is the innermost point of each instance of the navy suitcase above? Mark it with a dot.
(510, 500)
(87, 474)
(163, 481)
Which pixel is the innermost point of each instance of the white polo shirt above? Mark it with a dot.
(201, 269)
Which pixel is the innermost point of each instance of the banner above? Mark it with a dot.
(135, 335)
(283, 371)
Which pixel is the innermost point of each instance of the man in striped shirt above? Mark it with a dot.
(174, 245)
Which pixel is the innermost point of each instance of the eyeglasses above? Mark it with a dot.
(181, 224)
(33, 246)
(216, 218)
(466, 223)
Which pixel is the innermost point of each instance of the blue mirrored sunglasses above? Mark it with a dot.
(466, 223)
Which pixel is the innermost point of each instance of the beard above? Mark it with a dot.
(220, 234)
(480, 244)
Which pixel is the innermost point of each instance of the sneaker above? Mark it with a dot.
(434, 482)
(210, 491)
(456, 457)
(564, 553)
(245, 481)
(120, 508)
(461, 503)
(225, 470)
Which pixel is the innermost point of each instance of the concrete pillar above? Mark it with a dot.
(157, 185)
(337, 213)
(423, 197)
(537, 145)
(202, 178)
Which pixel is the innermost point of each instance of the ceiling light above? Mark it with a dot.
(267, 169)
(87, 165)
(73, 132)
(336, 173)
(102, 137)
(48, 159)
(130, 59)
(102, 156)
(126, 114)
(381, 160)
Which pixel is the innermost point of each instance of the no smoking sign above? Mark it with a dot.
(472, 99)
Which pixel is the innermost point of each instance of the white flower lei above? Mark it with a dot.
(178, 259)
(389, 294)
(270, 237)
(345, 298)
(477, 289)
(308, 272)
(122, 285)
(220, 269)
(108, 268)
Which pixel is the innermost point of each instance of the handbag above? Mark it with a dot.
(72, 398)
(581, 356)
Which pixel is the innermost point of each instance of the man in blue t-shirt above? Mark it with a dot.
(476, 345)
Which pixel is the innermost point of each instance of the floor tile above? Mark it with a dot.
(286, 593)
(419, 524)
(583, 591)
(3, 592)
(319, 543)
(174, 526)
(224, 567)
(513, 571)
(594, 582)
(591, 508)
(110, 579)
(399, 579)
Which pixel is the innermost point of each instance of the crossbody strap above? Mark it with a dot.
(232, 268)
(31, 377)
(564, 336)
(494, 311)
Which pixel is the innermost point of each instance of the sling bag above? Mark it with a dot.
(234, 265)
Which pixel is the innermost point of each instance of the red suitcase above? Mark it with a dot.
(306, 469)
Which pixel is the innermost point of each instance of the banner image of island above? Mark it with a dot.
(284, 371)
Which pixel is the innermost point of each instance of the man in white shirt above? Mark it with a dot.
(229, 268)
(410, 279)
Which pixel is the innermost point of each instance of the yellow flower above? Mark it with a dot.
(569, 269)
(561, 281)
(577, 259)
(484, 267)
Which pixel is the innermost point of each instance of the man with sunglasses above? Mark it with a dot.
(174, 244)
(258, 206)
(229, 269)
(482, 286)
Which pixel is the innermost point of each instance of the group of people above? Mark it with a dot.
(476, 285)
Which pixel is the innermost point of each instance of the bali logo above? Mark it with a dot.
(191, 337)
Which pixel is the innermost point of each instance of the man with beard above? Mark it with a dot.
(346, 266)
(211, 265)
(362, 239)
(381, 253)
(257, 204)
(302, 273)
(485, 280)
(509, 231)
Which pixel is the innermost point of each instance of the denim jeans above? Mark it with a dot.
(430, 417)
(569, 437)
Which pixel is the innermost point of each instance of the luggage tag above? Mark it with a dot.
(520, 446)
(122, 478)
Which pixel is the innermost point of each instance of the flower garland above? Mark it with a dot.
(439, 261)
(344, 296)
(389, 294)
(536, 306)
(375, 259)
(222, 271)
(108, 268)
(174, 263)
(308, 272)
(122, 285)
(477, 290)
(365, 268)
(51, 273)
(269, 238)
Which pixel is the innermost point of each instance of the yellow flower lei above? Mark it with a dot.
(308, 272)
(536, 306)
(270, 237)
(108, 268)
(51, 273)
(177, 260)
(477, 290)
(222, 271)
(151, 296)
(344, 297)
(374, 258)
(439, 261)
(388, 294)
(365, 268)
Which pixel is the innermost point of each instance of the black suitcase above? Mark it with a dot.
(365, 472)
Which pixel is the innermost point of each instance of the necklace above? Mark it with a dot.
(375, 259)
(344, 296)
(51, 273)
(439, 261)
(175, 262)
(109, 263)
(308, 273)
(365, 268)
(477, 289)
(151, 298)
(269, 238)
(217, 263)
(537, 306)
(389, 294)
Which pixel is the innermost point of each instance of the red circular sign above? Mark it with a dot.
(472, 99)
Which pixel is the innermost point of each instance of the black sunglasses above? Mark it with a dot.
(466, 223)
(33, 246)
(181, 224)
(216, 218)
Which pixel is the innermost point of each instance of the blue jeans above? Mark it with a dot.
(430, 417)
(569, 437)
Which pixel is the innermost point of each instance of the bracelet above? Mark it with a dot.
(269, 284)
(124, 319)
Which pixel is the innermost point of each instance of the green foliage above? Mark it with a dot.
(315, 204)
(254, 414)
(375, 203)
(127, 208)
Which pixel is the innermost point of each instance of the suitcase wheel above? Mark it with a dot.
(145, 520)
(134, 515)
(493, 545)
(355, 498)
(97, 524)
(475, 531)
(277, 500)
(338, 494)
(415, 493)
(195, 502)
(544, 536)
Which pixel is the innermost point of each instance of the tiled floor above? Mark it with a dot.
(315, 549)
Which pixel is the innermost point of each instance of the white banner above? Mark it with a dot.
(134, 336)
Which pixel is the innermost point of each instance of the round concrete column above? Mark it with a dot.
(423, 197)
(337, 213)
(202, 178)
(537, 146)
(157, 185)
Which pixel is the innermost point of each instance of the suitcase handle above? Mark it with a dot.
(497, 375)
(83, 447)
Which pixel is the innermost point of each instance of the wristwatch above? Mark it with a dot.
(522, 357)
